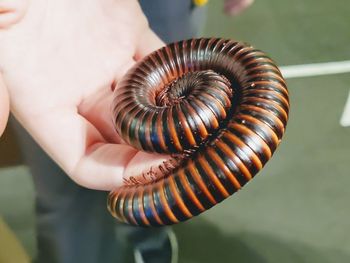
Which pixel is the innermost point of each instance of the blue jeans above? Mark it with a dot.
(73, 224)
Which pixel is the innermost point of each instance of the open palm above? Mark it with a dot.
(60, 63)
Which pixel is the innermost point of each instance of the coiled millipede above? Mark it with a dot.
(218, 107)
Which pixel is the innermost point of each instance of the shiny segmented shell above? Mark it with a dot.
(220, 105)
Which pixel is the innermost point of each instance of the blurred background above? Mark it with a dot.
(297, 208)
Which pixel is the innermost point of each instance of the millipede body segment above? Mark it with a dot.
(218, 107)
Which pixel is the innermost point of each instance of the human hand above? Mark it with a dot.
(60, 61)
(235, 7)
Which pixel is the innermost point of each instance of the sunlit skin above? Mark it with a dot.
(59, 61)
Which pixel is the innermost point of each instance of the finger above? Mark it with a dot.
(148, 43)
(81, 151)
(108, 165)
(145, 165)
(235, 7)
(97, 109)
(78, 148)
(4, 105)
(104, 167)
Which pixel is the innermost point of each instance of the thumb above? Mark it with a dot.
(148, 43)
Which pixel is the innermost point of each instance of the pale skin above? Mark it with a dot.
(60, 61)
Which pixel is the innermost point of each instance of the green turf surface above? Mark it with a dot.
(17, 204)
(297, 209)
(292, 32)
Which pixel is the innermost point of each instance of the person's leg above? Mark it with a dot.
(174, 20)
(73, 224)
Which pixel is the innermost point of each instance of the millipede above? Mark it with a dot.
(217, 107)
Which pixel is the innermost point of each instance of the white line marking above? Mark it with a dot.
(345, 118)
(316, 69)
